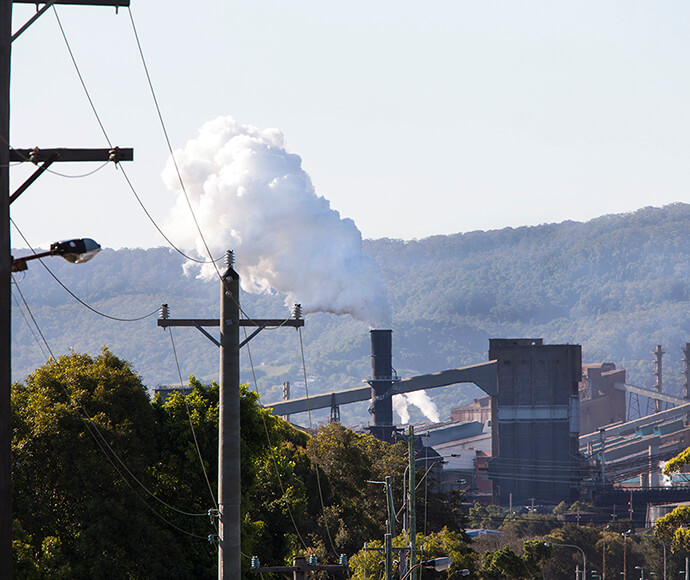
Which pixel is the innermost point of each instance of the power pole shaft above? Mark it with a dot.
(229, 463)
(412, 503)
(229, 449)
(6, 39)
(5, 295)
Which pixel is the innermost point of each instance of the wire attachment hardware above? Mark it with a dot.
(213, 514)
(164, 312)
(297, 311)
(35, 156)
(214, 539)
(114, 155)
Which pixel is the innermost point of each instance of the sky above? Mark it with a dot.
(413, 119)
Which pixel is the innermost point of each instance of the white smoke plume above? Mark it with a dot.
(420, 400)
(252, 196)
(400, 407)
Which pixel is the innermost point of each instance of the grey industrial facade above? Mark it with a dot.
(536, 421)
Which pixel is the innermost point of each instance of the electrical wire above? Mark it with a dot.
(271, 450)
(81, 78)
(93, 430)
(31, 328)
(183, 187)
(87, 174)
(105, 133)
(72, 294)
(167, 141)
(318, 478)
(191, 424)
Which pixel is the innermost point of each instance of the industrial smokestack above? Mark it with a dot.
(381, 385)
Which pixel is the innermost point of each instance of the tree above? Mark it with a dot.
(81, 441)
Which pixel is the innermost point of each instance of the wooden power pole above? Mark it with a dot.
(229, 460)
(6, 39)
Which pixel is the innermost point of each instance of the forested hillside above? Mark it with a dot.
(618, 285)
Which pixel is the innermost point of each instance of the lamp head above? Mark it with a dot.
(439, 564)
(76, 251)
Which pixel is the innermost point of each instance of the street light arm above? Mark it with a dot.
(439, 564)
(584, 556)
(76, 251)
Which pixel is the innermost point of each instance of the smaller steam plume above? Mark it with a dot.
(420, 400)
(252, 196)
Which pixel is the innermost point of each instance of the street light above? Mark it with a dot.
(438, 564)
(584, 556)
(625, 563)
(76, 251)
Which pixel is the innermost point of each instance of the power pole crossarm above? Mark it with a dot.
(37, 155)
(115, 3)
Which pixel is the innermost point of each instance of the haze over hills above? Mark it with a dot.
(618, 285)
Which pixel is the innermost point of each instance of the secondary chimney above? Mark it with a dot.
(381, 382)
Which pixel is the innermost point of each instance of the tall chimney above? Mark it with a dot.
(381, 382)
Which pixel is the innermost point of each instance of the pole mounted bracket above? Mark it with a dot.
(259, 325)
(50, 156)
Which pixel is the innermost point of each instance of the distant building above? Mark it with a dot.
(477, 410)
(601, 403)
(166, 390)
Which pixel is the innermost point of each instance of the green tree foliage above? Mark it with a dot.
(91, 451)
(356, 511)
(678, 463)
(671, 529)
(110, 484)
(488, 517)
(76, 423)
(366, 564)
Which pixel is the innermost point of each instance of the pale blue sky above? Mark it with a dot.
(412, 118)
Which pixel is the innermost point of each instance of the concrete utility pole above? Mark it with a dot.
(229, 492)
(229, 460)
(6, 39)
(412, 503)
(658, 375)
(686, 374)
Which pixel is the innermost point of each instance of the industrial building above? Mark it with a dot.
(550, 428)
(535, 430)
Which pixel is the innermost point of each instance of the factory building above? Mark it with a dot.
(536, 421)
(601, 402)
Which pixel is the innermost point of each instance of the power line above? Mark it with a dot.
(91, 427)
(191, 424)
(72, 294)
(105, 133)
(318, 478)
(271, 451)
(26, 305)
(167, 140)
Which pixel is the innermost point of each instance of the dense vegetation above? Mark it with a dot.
(618, 285)
(108, 484)
(111, 484)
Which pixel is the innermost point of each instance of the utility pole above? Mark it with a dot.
(229, 460)
(6, 39)
(229, 492)
(412, 503)
(658, 376)
(686, 370)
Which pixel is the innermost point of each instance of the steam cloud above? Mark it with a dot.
(252, 196)
(420, 400)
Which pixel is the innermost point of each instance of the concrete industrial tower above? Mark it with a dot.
(536, 420)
